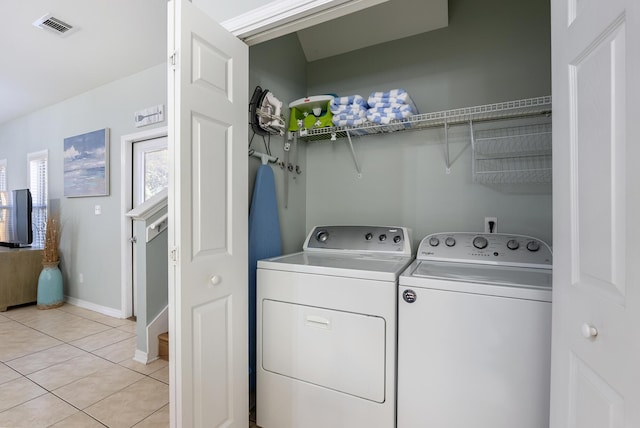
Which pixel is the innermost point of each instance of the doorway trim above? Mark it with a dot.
(126, 229)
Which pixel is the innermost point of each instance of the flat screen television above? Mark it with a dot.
(16, 229)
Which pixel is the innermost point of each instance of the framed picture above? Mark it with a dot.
(86, 164)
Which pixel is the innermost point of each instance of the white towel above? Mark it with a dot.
(348, 100)
(348, 122)
(349, 109)
(386, 118)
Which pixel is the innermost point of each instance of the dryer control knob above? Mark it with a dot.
(409, 296)
(533, 246)
(449, 242)
(397, 239)
(434, 242)
(368, 236)
(322, 236)
(513, 244)
(383, 237)
(480, 242)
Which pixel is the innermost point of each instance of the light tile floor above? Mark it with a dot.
(71, 367)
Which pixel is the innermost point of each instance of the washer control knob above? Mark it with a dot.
(368, 236)
(397, 239)
(480, 242)
(533, 246)
(513, 244)
(383, 237)
(409, 296)
(322, 236)
(449, 242)
(434, 242)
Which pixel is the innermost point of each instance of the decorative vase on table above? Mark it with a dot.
(50, 294)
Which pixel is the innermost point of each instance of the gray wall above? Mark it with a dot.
(279, 65)
(90, 244)
(492, 51)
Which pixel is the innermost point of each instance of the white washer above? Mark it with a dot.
(474, 333)
(326, 342)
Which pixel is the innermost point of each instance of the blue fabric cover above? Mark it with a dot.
(264, 242)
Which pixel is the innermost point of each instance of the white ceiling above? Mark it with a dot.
(117, 38)
(392, 20)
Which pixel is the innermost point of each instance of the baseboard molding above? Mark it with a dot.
(116, 313)
(159, 325)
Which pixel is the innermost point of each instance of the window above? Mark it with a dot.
(4, 209)
(150, 169)
(39, 186)
(3, 175)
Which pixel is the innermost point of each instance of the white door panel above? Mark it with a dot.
(596, 305)
(208, 96)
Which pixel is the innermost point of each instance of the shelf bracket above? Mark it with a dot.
(473, 148)
(353, 153)
(447, 159)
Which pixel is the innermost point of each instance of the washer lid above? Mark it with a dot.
(364, 266)
(504, 281)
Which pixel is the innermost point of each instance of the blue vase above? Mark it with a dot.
(50, 293)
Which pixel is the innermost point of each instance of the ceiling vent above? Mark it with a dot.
(55, 25)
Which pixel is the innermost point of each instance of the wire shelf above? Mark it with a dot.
(513, 155)
(523, 140)
(503, 110)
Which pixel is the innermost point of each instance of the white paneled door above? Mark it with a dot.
(596, 227)
(208, 98)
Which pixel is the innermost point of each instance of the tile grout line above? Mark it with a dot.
(47, 391)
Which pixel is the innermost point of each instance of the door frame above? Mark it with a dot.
(126, 225)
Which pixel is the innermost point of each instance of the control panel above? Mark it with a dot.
(360, 239)
(487, 248)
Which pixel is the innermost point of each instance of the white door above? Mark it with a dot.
(596, 226)
(208, 210)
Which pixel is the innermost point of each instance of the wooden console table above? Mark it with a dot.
(19, 271)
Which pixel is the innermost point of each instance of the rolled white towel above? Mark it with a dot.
(348, 100)
(348, 122)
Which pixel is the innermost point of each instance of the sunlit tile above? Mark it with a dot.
(144, 368)
(7, 374)
(69, 371)
(43, 359)
(117, 352)
(17, 392)
(90, 389)
(162, 375)
(78, 420)
(39, 412)
(102, 339)
(131, 405)
(159, 419)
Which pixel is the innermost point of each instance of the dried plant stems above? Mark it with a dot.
(52, 240)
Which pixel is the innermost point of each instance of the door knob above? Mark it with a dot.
(589, 331)
(215, 280)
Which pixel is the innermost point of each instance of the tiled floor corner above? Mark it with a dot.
(71, 367)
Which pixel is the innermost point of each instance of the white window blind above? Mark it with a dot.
(4, 209)
(3, 175)
(39, 186)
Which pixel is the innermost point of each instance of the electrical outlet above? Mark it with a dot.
(490, 225)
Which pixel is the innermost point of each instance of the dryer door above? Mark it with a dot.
(338, 350)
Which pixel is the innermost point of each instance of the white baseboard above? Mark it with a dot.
(159, 325)
(143, 357)
(116, 313)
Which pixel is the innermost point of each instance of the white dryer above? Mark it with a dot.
(474, 333)
(326, 342)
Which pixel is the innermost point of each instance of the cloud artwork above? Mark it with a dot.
(86, 164)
